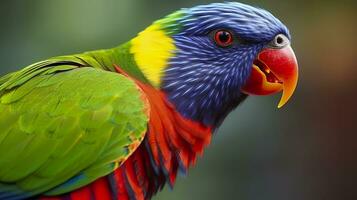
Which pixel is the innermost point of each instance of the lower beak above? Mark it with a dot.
(273, 71)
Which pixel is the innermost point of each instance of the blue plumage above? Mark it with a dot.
(203, 80)
(11, 192)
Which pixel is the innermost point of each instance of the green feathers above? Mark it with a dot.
(67, 118)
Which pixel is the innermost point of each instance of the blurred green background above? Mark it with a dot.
(306, 150)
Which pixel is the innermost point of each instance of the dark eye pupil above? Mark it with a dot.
(224, 36)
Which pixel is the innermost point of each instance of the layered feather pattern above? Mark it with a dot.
(172, 143)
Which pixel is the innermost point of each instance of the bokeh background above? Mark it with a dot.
(304, 151)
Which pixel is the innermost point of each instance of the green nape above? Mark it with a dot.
(171, 23)
(108, 58)
(122, 55)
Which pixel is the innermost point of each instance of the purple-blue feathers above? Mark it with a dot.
(203, 80)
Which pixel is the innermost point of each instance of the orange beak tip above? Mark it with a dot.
(281, 104)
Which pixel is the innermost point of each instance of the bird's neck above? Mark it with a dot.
(192, 105)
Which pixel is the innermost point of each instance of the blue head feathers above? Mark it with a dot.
(203, 79)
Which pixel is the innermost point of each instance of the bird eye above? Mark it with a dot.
(223, 38)
(279, 41)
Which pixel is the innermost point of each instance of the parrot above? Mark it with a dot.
(121, 123)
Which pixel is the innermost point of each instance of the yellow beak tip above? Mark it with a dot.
(281, 105)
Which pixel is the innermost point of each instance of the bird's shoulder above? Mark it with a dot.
(69, 121)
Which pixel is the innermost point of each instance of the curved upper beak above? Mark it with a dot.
(273, 71)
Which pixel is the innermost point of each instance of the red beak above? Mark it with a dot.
(273, 70)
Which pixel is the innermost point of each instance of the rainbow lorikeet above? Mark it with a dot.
(120, 123)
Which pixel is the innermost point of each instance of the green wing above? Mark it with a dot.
(64, 123)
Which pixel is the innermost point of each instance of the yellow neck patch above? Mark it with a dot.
(152, 49)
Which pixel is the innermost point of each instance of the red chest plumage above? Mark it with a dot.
(172, 143)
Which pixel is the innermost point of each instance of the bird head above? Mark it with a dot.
(208, 58)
